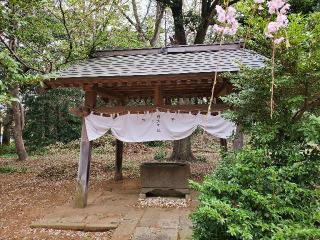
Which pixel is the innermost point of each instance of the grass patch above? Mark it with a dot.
(8, 151)
(9, 155)
(11, 169)
(160, 155)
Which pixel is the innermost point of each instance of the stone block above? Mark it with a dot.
(165, 178)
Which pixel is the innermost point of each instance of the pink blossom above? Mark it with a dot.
(282, 20)
(279, 40)
(217, 28)
(280, 8)
(221, 14)
(285, 9)
(260, 4)
(275, 5)
(228, 24)
(272, 27)
(231, 12)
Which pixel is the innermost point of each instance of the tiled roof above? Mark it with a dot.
(165, 62)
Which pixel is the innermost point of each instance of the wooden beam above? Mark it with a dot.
(85, 157)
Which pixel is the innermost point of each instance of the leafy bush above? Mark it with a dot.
(251, 197)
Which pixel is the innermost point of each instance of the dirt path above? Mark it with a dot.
(25, 198)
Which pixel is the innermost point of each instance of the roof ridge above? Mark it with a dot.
(168, 49)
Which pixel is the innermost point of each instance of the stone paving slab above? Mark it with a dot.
(148, 233)
(115, 209)
(128, 225)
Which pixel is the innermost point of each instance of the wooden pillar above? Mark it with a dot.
(158, 100)
(239, 139)
(119, 152)
(85, 157)
(223, 144)
(118, 165)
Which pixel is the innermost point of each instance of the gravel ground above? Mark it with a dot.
(162, 202)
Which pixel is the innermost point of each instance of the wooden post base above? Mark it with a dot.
(80, 200)
(118, 176)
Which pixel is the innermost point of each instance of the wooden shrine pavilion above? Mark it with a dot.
(139, 80)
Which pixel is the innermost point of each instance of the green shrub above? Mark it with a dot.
(250, 197)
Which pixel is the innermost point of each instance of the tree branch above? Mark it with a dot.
(18, 59)
(126, 16)
(96, 38)
(306, 107)
(147, 12)
(138, 23)
(157, 25)
(64, 22)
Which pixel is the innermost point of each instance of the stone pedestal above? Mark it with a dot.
(165, 179)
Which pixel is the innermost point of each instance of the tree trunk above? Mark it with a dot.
(204, 22)
(182, 151)
(202, 31)
(178, 22)
(239, 139)
(18, 116)
(7, 127)
(223, 145)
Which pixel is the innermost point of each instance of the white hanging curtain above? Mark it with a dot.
(157, 126)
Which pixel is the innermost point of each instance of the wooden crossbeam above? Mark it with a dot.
(203, 108)
(110, 80)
